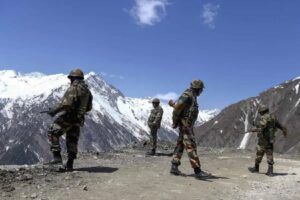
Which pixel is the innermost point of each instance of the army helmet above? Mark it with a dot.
(155, 100)
(263, 109)
(76, 73)
(197, 84)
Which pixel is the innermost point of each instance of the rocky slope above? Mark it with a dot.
(231, 127)
(115, 121)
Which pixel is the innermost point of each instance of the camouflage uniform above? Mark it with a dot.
(74, 105)
(267, 126)
(185, 115)
(154, 123)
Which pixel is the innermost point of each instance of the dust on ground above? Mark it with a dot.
(128, 174)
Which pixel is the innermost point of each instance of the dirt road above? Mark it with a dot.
(130, 175)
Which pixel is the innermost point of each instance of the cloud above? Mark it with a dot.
(149, 12)
(167, 96)
(209, 14)
(112, 76)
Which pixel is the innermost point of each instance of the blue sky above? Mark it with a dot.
(149, 47)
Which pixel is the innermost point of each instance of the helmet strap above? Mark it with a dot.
(197, 91)
(155, 105)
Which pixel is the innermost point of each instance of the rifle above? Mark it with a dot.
(60, 113)
(45, 111)
(252, 131)
(49, 112)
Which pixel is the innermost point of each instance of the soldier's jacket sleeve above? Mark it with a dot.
(179, 107)
(149, 119)
(158, 117)
(90, 102)
(85, 99)
(68, 101)
(282, 128)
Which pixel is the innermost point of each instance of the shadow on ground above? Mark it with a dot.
(97, 169)
(281, 174)
(164, 154)
(210, 178)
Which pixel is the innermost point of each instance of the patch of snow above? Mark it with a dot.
(278, 87)
(40, 158)
(297, 88)
(96, 147)
(247, 136)
(245, 141)
(7, 111)
(297, 103)
(297, 78)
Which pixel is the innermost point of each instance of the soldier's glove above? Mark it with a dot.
(284, 132)
(171, 103)
(285, 135)
(52, 112)
(174, 126)
(150, 124)
(254, 130)
(145, 143)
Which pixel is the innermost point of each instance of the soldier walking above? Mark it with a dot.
(76, 102)
(185, 115)
(154, 123)
(266, 128)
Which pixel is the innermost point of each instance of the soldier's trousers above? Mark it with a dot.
(153, 139)
(186, 140)
(72, 131)
(261, 150)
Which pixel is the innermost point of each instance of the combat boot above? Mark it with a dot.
(199, 174)
(57, 159)
(151, 153)
(270, 171)
(175, 171)
(254, 169)
(69, 165)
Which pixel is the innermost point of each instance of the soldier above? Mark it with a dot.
(185, 115)
(266, 128)
(154, 123)
(76, 102)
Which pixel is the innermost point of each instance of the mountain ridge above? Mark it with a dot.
(231, 128)
(115, 121)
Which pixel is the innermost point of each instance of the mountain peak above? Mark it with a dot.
(35, 74)
(9, 73)
(14, 85)
(92, 73)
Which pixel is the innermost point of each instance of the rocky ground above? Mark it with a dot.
(128, 175)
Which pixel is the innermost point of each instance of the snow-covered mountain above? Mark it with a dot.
(116, 120)
(231, 127)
